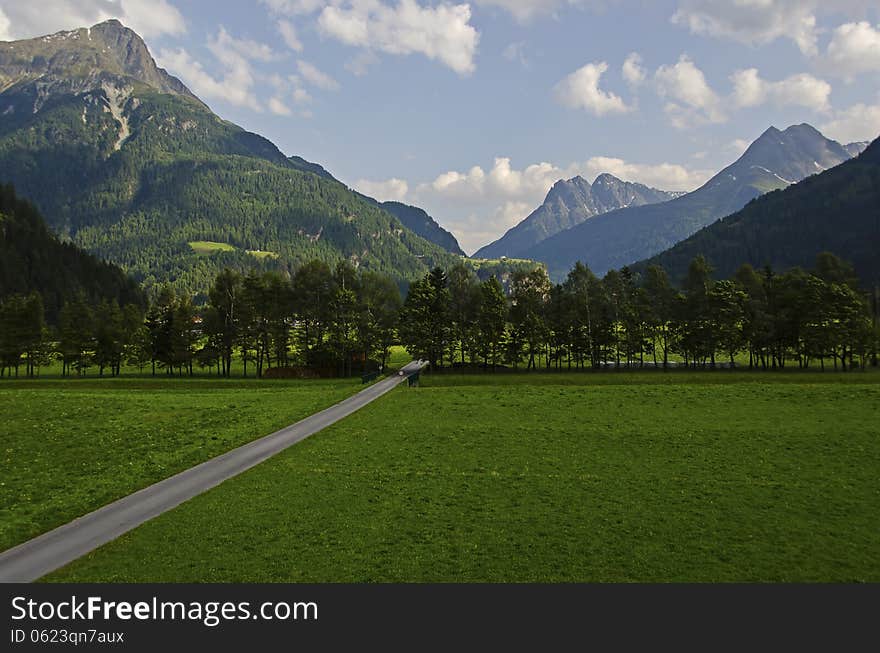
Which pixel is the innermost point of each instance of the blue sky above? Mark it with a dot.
(473, 110)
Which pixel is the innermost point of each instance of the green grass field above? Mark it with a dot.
(71, 446)
(612, 477)
(208, 247)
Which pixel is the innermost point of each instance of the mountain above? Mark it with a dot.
(568, 204)
(123, 160)
(32, 259)
(837, 211)
(422, 224)
(775, 160)
(412, 217)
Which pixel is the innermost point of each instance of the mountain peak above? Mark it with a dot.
(607, 178)
(83, 59)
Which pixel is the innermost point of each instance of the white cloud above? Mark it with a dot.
(738, 146)
(152, 17)
(293, 7)
(861, 122)
(524, 10)
(515, 52)
(690, 98)
(315, 77)
(804, 90)
(391, 189)
(301, 96)
(148, 18)
(854, 49)
(288, 33)
(580, 90)
(755, 22)
(360, 64)
(277, 106)
(5, 34)
(633, 72)
(441, 33)
(236, 84)
(226, 48)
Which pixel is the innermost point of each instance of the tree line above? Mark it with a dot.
(329, 321)
(623, 319)
(340, 320)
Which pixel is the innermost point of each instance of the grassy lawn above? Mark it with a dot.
(69, 447)
(609, 477)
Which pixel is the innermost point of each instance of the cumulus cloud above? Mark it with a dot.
(311, 74)
(580, 90)
(854, 49)
(860, 122)
(690, 99)
(288, 33)
(442, 32)
(755, 22)
(384, 191)
(633, 72)
(149, 18)
(750, 90)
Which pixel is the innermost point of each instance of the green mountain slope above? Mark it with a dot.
(775, 160)
(836, 211)
(32, 259)
(122, 159)
(418, 221)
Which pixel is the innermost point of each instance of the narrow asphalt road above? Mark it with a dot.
(37, 557)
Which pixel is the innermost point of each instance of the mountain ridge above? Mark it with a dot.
(621, 237)
(568, 203)
(835, 210)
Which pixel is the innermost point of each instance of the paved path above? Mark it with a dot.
(37, 557)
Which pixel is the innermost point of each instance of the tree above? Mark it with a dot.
(424, 323)
(222, 324)
(529, 297)
(75, 336)
(491, 321)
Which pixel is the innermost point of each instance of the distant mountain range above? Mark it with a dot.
(621, 237)
(837, 211)
(122, 159)
(568, 204)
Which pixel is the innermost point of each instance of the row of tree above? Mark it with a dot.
(332, 320)
(623, 319)
(341, 320)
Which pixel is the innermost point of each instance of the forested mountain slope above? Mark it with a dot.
(122, 159)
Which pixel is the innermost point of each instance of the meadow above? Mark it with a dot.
(70, 446)
(547, 478)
